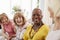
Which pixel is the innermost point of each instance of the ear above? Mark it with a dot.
(51, 12)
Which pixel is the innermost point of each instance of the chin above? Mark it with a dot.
(20, 24)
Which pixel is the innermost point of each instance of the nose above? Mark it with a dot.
(19, 19)
(36, 16)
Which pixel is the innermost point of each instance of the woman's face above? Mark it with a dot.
(19, 21)
(5, 20)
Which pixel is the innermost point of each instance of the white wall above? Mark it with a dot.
(26, 5)
(4, 6)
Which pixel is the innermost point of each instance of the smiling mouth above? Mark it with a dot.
(18, 21)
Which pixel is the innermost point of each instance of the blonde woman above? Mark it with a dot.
(38, 30)
(20, 23)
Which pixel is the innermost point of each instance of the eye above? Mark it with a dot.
(38, 15)
(6, 19)
(33, 15)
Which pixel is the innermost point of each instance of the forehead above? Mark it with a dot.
(4, 17)
(18, 17)
(37, 11)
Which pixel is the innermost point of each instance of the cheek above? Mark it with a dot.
(39, 18)
(22, 21)
(3, 21)
(59, 21)
(32, 18)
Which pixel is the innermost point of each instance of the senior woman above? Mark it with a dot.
(38, 30)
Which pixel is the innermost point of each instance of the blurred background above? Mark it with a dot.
(10, 6)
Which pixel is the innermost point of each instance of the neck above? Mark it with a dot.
(39, 24)
(20, 26)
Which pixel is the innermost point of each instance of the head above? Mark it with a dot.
(19, 19)
(37, 16)
(4, 19)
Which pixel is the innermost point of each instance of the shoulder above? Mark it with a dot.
(45, 26)
(45, 29)
(29, 26)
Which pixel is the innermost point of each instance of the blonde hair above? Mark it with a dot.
(19, 14)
